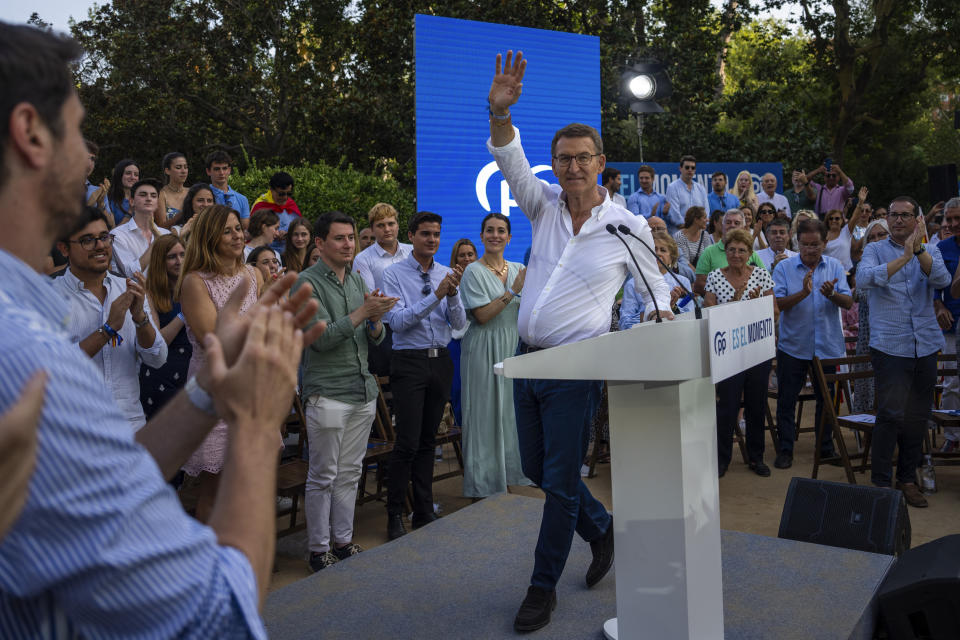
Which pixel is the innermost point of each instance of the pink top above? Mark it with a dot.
(209, 457)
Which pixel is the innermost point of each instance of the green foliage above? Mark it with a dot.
(320, 187)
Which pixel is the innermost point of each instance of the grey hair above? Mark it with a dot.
(730, 212)
(952, 203)
(873, 223)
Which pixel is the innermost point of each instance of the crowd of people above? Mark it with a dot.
(167, 303)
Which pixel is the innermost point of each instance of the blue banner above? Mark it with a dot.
(667, 172)
(456, 175)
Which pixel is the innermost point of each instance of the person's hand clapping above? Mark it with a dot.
(827, 288)
(137, 287)
(507, 83)
(808, 282)
(376, 304)
(119, 309)
(517, 285)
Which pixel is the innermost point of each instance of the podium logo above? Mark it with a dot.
(720, 342)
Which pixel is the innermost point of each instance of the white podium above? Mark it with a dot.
(663, 443)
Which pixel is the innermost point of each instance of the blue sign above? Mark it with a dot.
(456, 175)
(667, 172)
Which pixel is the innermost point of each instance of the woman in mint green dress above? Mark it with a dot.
(490, 291)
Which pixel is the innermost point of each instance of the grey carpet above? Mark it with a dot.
(465, 575)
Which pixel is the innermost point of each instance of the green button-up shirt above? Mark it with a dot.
(335, 365)
(714, 257)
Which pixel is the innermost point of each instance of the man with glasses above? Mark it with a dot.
(576, 269)
(421, 371)
(947, 308)
(900, 275)
(809, 288)
(834, 191)
(109, 316)
(279, 199)
(683, 193)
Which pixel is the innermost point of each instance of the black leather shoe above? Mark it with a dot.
(602, 550)
(535, 611)
(395, 527)
(831, 457)
(760, 468)
(722, 471)
(784, 460)
(423, 520)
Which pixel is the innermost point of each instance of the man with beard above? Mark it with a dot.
(109, 319)
(102, 547)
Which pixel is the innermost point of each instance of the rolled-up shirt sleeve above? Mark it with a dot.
(527, 188)
(156, 354)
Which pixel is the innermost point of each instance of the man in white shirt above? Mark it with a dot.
(109, 318)
(778, 237)
(371, 263)
(768, 193)
(612, 182)
(576, 269)
(683, 193)
(133, 240)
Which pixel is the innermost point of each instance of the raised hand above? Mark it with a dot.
(507, 83)
(863, 194)
(137, 287)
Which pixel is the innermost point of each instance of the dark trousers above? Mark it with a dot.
(791, 374)
(421, 388)
(905, 389)
(553, 429)
(378, 355)
(751, 385)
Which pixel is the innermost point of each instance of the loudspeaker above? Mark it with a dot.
(920, 597)
(943, 182)
(846, 515)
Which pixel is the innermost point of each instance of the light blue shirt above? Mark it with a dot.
(419, 320)
(643, 204)
(681, 199)
(233, 199)
(812, 327)
(729, 201)
(632, 310)
(902, 320)
(285, 219)
(103, 548)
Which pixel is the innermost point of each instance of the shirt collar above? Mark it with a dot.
(109, 280)
(383, 252)
(800, 262)
(416, 265)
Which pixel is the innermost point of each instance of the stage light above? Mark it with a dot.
(640, 87)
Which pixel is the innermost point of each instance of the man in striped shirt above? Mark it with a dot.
(102, 547)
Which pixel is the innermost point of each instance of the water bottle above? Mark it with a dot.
(928, 478)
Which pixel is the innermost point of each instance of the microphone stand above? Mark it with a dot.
(698, 313)
(612, 230)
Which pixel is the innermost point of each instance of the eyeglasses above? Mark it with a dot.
(427, 288)
(287, 193)
(900, 215)
(583, 159)
(89, 242)
(689, 167)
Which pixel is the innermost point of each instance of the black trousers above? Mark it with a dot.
(751, 385)
(378, 355)
(421, 388)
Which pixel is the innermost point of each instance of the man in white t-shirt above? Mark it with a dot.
(768, 193)
(778, 237)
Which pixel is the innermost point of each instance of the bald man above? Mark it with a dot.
(768, 193)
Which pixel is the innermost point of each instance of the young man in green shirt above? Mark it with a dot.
(713, 257)
(341, 395)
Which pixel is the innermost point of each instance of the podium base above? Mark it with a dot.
(610, 629)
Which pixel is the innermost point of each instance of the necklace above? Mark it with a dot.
(500, 272)
(172, 190)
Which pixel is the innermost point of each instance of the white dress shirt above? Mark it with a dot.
(572, 280)
(129, 244)
(777, 199)
(371, 262)
(120, 365)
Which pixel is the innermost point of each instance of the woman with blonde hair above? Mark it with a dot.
(743, 189)
(158, 386)
(213, 267)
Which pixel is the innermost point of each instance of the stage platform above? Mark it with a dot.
(465, 575)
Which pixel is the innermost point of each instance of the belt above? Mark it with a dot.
(435, 352)
(528, 348)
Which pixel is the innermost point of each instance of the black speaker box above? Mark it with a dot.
(943, 182)
(846, 515)
(920, 597)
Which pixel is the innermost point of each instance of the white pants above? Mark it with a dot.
(337, 436)
(950, 399)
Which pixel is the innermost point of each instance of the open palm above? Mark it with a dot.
(507, 82)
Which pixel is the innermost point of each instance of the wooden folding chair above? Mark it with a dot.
(830, 383)
(292, 475)
(378, 447)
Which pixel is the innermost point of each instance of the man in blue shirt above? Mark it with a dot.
(421, 370)
(103, 548)
(683, 193)
(809, 287)
(219, 168)
(947, 308)
(645, 201)
(900, 275)
(720, 199)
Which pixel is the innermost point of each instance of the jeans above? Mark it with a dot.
(791, 374)
(904, 397)
(751, 385)
(338, 434)
(553, 428)
(421, 388)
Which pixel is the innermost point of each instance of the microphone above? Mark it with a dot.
(612, 230)
(697, 312)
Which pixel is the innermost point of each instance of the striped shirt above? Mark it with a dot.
(103, 548)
